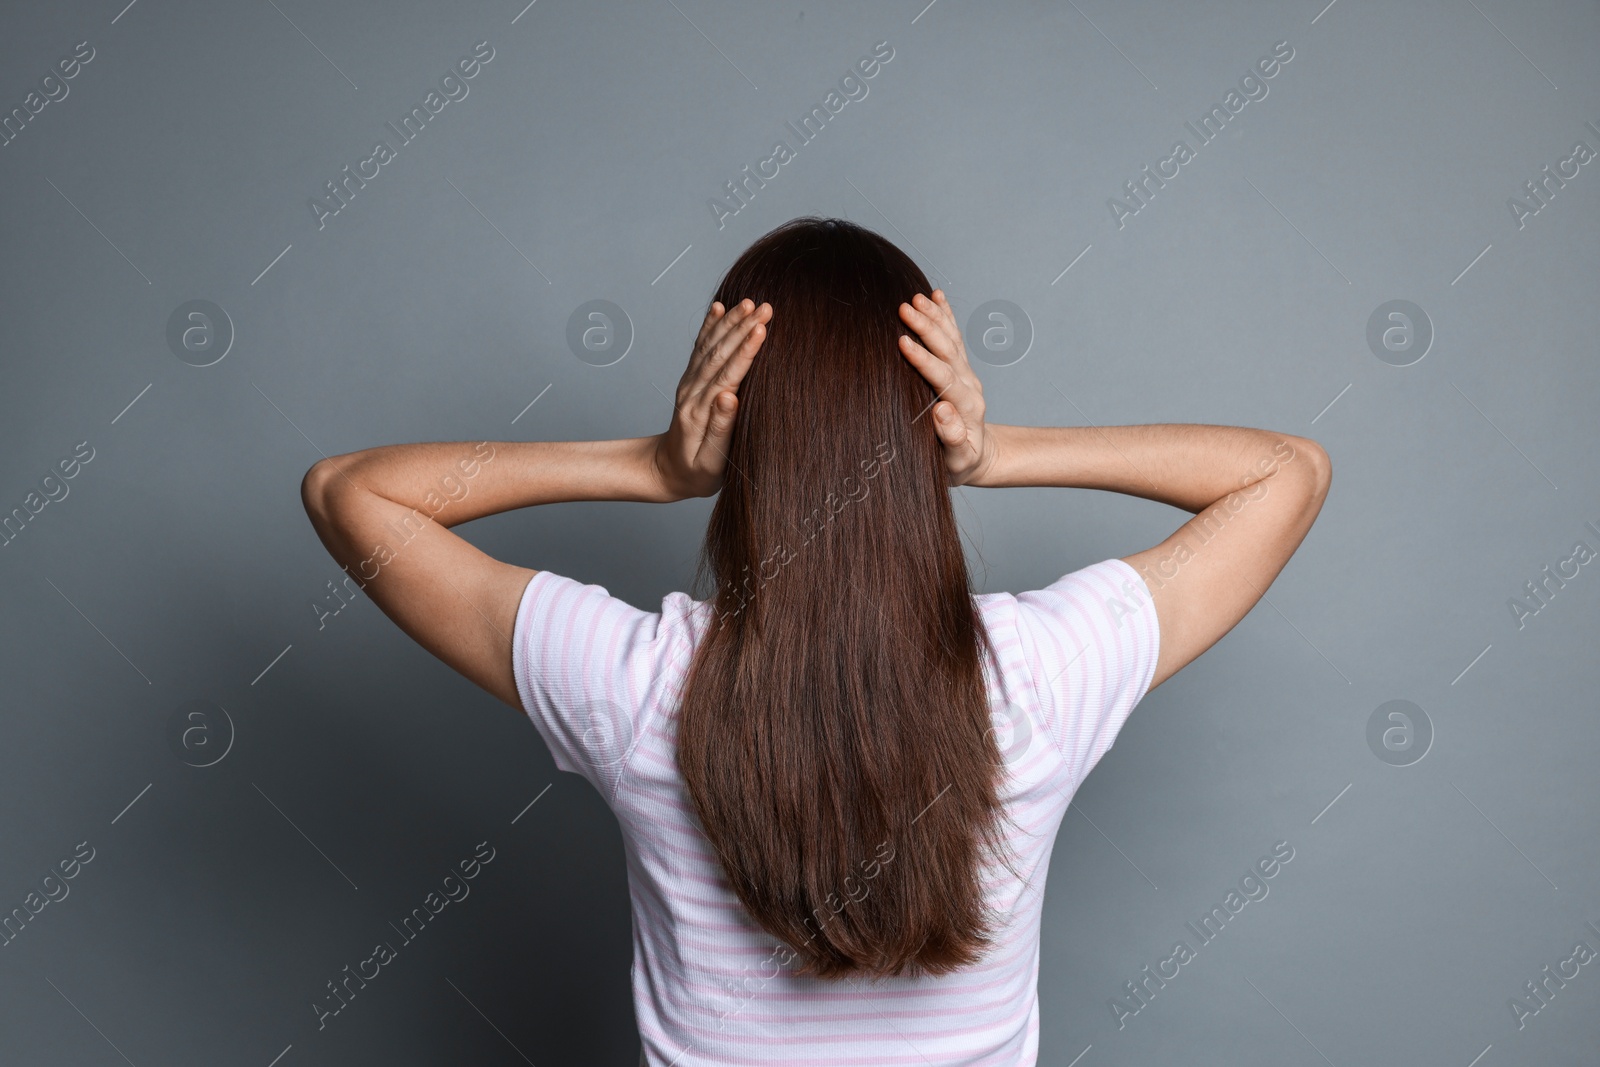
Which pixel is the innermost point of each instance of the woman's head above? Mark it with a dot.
(835, 733)
(828, 404)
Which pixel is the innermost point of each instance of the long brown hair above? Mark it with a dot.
(834, 732)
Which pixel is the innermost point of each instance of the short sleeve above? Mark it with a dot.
(1090, 640)
(589, 667)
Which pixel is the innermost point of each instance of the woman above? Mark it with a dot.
(839, 777)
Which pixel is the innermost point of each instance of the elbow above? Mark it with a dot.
(1318, 466)
(325, 490)
(316, 489)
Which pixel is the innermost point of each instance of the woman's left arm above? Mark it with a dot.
(384, 513)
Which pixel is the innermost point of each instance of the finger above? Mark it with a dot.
(939, 308)
(947, 421)
(731, 370)
(719, 430)
(944, 315)
(697, 352)
(935, 371)
(708, 339)
(949, 313)
(713, 314)
(723, 409)
(735, 342)
(736, 315)
(916, 313)
(920, 316)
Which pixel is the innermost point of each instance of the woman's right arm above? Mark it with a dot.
(1254, 493)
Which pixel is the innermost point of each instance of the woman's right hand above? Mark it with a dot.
(941, 359)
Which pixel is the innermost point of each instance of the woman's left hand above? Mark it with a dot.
(692, 454)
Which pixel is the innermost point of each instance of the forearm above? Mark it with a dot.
(455, 482)
(1187, 465)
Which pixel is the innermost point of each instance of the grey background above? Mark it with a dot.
(435, 307)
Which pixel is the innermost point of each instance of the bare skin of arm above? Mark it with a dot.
(1254, 493)
(384, 514)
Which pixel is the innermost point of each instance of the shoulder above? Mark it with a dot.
(1088, 643)
(555, 604)
(592, 670)
(1092, 628)
(1084, 601)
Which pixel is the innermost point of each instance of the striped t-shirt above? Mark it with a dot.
(600, 679)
